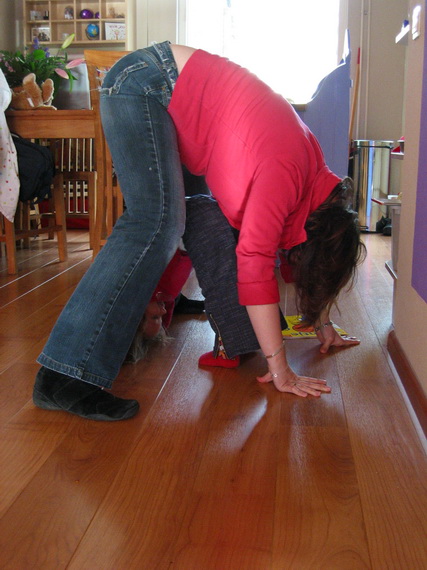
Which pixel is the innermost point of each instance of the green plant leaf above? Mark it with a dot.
(38, 54)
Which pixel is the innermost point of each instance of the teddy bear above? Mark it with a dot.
(30, 96)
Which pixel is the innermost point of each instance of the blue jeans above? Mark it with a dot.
(91, 338)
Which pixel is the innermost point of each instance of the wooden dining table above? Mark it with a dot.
(52, 124)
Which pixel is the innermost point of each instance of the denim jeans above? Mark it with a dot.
(91, 338)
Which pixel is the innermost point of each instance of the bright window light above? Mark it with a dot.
(289, 45)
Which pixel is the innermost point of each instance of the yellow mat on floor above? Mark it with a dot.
(296, 330)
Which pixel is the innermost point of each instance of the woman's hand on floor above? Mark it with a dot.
(328, 337)
(299, 385)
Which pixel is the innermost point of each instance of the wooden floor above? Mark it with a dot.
(216, 472)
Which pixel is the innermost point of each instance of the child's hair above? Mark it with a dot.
(327, 261)
(141, 344)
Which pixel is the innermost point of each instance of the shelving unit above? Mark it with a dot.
(51, 21)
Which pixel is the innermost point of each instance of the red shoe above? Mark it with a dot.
(208, 359)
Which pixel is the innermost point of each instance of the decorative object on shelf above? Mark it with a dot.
(36, 15)
(92, 31)
(41, 33)
(30, 96)
(86, 14)
(97, 15)
(38, 60)
(68, 13)
(115, 31)
(113, 14)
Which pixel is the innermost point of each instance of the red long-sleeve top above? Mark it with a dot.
(262, 164)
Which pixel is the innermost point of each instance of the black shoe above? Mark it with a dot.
(55, 391)
(186, 306)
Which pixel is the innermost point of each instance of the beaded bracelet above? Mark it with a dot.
(328, 324)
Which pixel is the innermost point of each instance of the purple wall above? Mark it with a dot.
(419, 264)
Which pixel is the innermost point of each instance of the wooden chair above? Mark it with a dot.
(74, 158)
(109, 201)
(22, 230)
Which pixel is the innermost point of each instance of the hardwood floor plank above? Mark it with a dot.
(16, 386)
(27, 348)
(22, 454)
(65, 494)
(37, 279)
(212, 556)
(41, 252)
(27, 322)
(374, 286)
(319, 518)
(56, 290)
(318, 521)
(231, 507)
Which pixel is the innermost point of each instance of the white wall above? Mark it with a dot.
(410, 311)
(152, 21)
(374, 25)
(10, 24)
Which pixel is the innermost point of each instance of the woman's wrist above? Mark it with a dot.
(276, 352)
(323, 325)
(280, 368)
(283, 376)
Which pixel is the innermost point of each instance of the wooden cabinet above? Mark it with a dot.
(92, 21)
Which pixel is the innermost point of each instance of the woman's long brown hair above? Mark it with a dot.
(325, 263)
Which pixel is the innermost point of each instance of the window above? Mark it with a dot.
(289, 45)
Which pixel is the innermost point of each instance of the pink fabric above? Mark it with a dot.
(9, 177)
(262, 164)
(172, 281)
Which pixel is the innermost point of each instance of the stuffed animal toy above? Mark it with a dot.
(31, 96)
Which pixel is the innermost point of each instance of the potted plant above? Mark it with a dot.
(38, 64)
